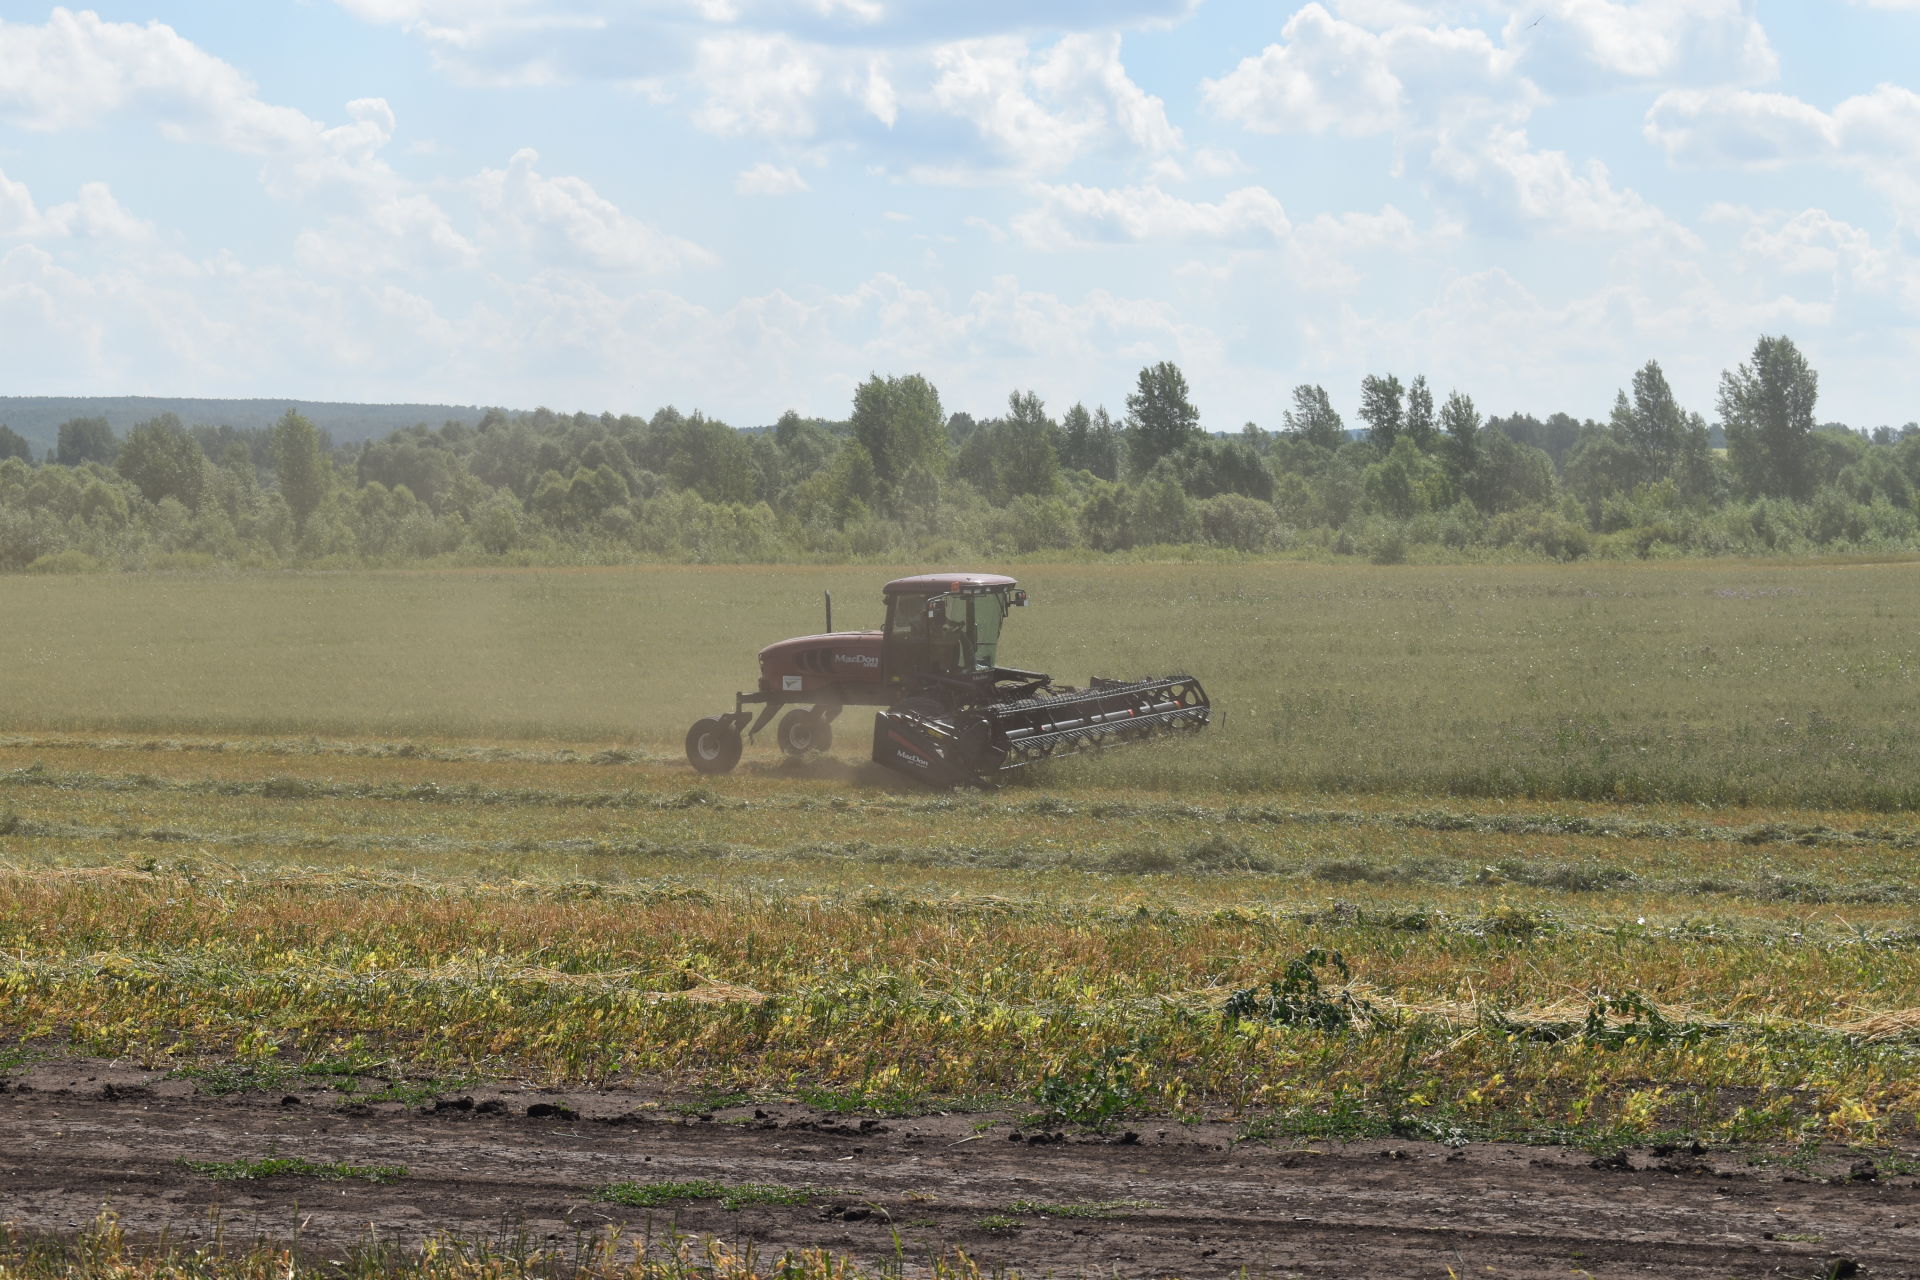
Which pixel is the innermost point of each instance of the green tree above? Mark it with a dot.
(301, 464)
(1510, 475)
(1461, 423)
(899, 423)
(852, 486)
(1313, 418)
(1419, 421)
(85, 440)
(162, 461)
(427, 472)
(1600, 467)
(1160, 418)
(1104, 517)
(1380, 410)
(1026, 462)
(1103, 447)
(1657, 426)
(14, 445)
(549, 500)
(1408, 482)
(1076, 437)
(1161, 512)
(708, 457)
(787, 430)
(592, 493)
(1766, 408)
(496, 524)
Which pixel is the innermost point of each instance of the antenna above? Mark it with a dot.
(829, 596)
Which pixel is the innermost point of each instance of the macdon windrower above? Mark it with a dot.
(950, 715)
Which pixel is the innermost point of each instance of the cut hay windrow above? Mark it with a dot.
(1364, 1007)
(450, 753)
(1811, 834)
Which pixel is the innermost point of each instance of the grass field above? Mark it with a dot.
(1692, 681)
(1583, 854)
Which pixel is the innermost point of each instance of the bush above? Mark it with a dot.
(1386, 542)
(1543, 531)
(1040, 524)
(1242, 523)
(1103, 518)
(72, 560)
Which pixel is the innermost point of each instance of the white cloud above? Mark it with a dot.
(1714, 127)
(1328, 75)
(1574, 46)
(1812, 240)
(515, 39)
(1005, 335)
(992, 231)
(1388, 231)
(1039, 82)
(1506, 185)
(1085, 72)
(756, 84)
(768, 179)
(397, 236)
(877, 94)
(562, 221)
(77, 69)
(1726, 127)
(1218, 162)
(94, 214)
(1039, 113)
(1078, 216)
(1457, 105)
(1871, 285)
(1874, 135)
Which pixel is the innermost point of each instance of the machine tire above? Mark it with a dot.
(713, 746)
(803, 731)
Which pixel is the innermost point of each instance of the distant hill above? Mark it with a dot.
(38, 418)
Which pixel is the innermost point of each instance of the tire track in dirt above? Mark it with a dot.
(78, 1136)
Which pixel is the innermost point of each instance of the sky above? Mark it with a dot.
(745, 206)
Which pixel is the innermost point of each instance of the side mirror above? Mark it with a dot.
(1020, 599)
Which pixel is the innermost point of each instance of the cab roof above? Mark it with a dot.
(951, 583)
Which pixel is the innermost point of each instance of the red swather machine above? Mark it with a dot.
(950, 715)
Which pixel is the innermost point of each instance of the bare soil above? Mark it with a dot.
(77, 1135)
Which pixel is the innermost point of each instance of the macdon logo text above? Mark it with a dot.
(856, 660)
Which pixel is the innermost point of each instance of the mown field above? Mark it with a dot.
(1584, 854)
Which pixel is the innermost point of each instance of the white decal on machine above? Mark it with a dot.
(856, 660)
(790, 684)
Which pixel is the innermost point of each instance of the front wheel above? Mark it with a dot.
(713, 745)
(804, 731)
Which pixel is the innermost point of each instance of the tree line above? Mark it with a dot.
(1418, 476)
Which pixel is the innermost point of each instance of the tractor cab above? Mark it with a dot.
(942, 631)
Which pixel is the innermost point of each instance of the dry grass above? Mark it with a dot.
(103, 1252)
(467, 914)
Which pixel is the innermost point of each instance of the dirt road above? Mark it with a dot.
(1176, 1199)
